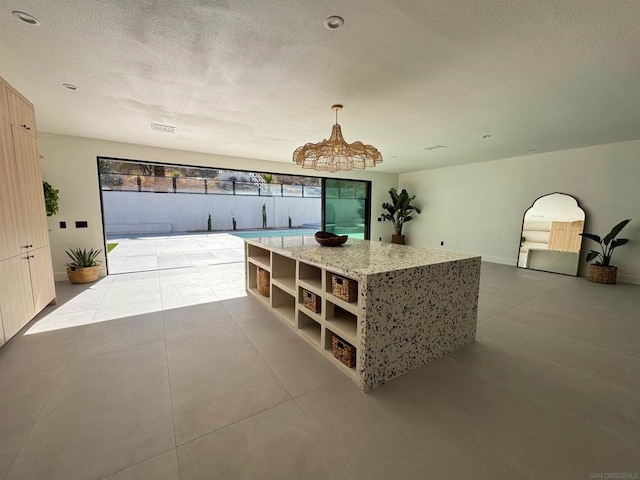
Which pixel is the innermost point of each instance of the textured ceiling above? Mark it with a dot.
(257, 78)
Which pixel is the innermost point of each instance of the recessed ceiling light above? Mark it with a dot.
(25, 17)
(71, 86)
(486, 136)
(333, 22)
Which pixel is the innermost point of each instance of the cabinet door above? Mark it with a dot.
(21, 113)
(32, 216)
(4, 103)
(9, 195)
(16, 301)
(42, 284)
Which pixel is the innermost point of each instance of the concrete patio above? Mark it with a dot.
(142, 253)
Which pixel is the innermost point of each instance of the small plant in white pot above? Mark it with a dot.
(84, 268)
(601, 271)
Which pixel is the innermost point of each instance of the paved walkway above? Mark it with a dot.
(162, 252)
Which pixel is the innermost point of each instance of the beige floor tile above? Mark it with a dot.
(600, 296)
(118, 297)
(299, 366)
(86, 300)
(246, 308)
(112, 335)
(385, 434)
(520, 280)
(162, 467)
(278, 444)
(589, 399)
(502, 298)
(30, 352)
(488, 310)
(125, 311)
(602, 328)
(149, 277)
(537, 441)
(548, 392)
(57, 320)
(218, 378)
(195, 319)
(107, 412)
(22, 396)
(619, 369)
(194, 297)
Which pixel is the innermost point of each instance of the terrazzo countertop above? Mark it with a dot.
(358, 258)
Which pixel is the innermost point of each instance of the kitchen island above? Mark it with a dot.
(412, 304)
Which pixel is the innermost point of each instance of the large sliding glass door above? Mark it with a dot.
(345, 207)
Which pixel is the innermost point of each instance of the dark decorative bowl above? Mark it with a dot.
(328, 239)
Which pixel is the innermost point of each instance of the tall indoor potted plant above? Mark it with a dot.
(601, 271)
(83, 268)
(399, 212)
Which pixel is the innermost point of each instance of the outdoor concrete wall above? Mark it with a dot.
(183, 212)
(70, 165)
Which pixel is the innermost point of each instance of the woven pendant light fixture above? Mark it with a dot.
(336, 154)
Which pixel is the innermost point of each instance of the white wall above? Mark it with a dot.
(478, 208)
(188, 212)
(70, 165)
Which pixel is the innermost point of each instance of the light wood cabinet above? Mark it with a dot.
(42, 288)
(4, 103)
(16, 300)
(9, 195)
(26, 271)
(21, 113)
(34, 233)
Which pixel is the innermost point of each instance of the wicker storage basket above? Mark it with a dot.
(83, 275)
(311, 301)
(600, 274)
(344, 288)
(263, 279)
(343, 351)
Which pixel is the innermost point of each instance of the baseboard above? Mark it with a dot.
(501, 260)
(633, 279)
(62, 276)
(59, 277)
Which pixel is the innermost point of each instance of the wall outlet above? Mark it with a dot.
(82, 224)
(63, 224)
(442, 243)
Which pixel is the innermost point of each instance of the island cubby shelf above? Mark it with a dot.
(412, 304)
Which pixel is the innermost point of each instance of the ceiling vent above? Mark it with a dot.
(435, 147)
(163, 128)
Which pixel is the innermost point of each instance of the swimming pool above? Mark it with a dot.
(274, 233)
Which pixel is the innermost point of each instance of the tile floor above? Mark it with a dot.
(177, 374)
(161, 252)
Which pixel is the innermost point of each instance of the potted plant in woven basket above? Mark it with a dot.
(601, 271)
(84, 268)
(400, 211)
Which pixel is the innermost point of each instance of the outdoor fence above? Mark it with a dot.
(205, 186)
